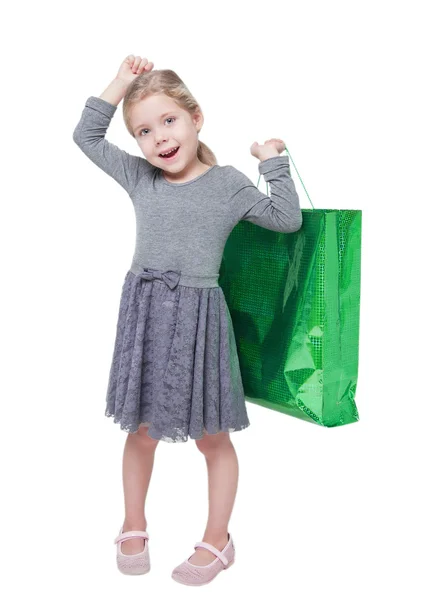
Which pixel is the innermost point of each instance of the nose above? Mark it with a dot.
(159, 138)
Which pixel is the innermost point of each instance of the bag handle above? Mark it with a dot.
(257, 185)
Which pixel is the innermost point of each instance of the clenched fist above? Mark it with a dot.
(131, 67)
(272, 147)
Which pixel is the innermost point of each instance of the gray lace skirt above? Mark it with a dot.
(175, 367)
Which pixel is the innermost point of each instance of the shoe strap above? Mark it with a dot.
(214, 550)
(131, 534)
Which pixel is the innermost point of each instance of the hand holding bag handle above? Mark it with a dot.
(290, 156)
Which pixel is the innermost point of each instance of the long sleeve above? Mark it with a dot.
(278, 212)
(89, 135)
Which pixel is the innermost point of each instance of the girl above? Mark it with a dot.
(175, 370)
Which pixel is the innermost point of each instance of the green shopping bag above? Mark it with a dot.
(294, 300)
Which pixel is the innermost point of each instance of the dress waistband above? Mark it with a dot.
(175, 277)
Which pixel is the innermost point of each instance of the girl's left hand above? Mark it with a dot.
(272, 147)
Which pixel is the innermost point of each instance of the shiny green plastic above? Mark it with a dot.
(294, 299)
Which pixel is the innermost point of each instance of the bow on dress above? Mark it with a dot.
(171, 278)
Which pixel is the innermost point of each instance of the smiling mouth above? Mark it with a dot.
(170, 154)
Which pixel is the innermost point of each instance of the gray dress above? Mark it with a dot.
(175, 367)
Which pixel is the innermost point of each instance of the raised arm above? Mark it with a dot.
(90, 132)
(89, 135)
(278, 212)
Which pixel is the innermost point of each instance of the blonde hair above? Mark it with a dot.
(167, 82)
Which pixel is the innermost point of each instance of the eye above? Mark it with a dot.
(168, 119)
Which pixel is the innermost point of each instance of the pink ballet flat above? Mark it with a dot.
(132, 564)
(190, 574)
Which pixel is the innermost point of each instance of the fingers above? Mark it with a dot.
(277, 141)
(141, 64)
(138, 64)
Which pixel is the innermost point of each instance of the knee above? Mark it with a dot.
(143, 438)
(211, 443)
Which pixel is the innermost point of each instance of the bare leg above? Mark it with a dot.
(138, 461)
(223, 475)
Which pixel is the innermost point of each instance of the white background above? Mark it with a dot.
(319, 513)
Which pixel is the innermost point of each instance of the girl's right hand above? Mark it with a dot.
(131, 67)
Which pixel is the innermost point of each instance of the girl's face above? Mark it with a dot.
(159, 125)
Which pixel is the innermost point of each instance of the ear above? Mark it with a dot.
(198, 120)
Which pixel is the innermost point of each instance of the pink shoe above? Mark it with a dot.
(132, 564)
(191, 574)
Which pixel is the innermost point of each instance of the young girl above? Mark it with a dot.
(175, 370)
